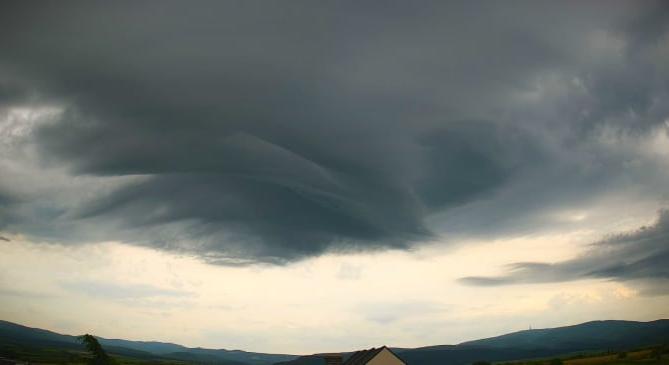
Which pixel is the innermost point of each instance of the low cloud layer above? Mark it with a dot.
(641, 255)
(119, 292)
(255, 132)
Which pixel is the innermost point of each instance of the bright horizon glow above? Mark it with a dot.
(118, 291)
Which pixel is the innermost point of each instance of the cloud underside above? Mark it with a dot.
(641, 255)
(275, 132)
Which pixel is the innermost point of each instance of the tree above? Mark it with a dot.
(556, 362)
(622, 355)
(99, 356)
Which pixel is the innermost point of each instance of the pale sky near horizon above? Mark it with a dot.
(300, 177)
(332, 303)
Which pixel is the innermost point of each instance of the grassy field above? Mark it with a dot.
(632, 357)
(55, 356)
(647, 356)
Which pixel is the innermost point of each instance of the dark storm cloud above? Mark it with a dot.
(639, 255)
(274, 131)
(6, 204)
(649, 27)
(11, 93)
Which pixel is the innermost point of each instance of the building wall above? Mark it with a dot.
(385, 357)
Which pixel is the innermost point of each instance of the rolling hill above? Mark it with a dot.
(537, 343)
(528, 344)
(589, 335)
(15, 334)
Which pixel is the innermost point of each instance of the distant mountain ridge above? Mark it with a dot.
(593, 334)
(536, 343)
(547, 342)
(530, 344)
(16, 333)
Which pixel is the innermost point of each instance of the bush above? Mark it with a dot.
(622, 355)
(99, 356)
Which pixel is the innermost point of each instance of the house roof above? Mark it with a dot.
(363, 356)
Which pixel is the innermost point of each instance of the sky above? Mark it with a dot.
(303, 176)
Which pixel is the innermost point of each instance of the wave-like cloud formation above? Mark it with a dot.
(246, 132)
(638, 255)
